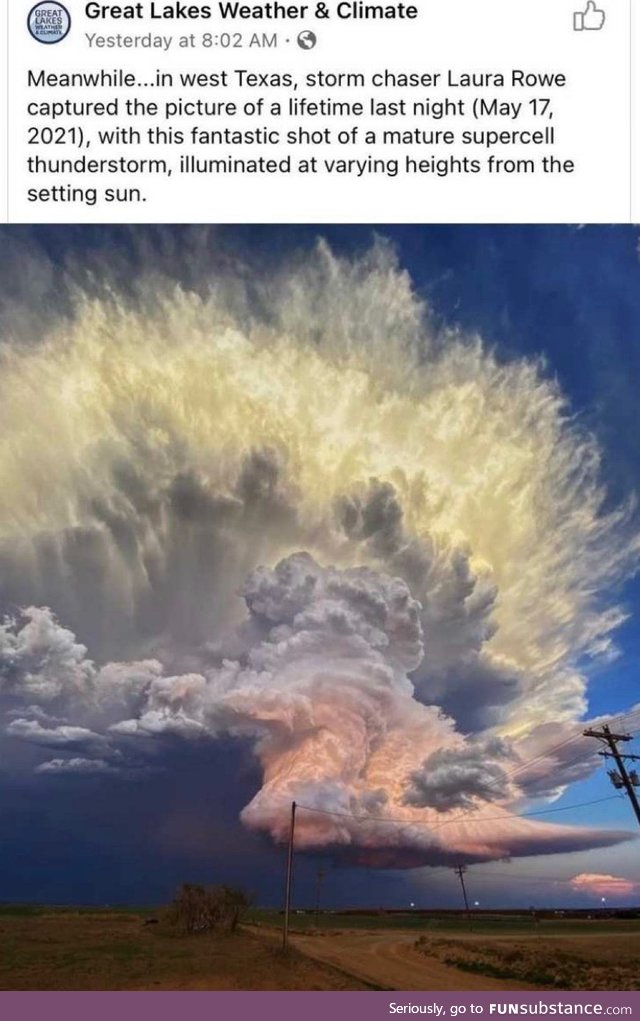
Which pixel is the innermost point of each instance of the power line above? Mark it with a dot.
(470, 813)
(628, 719)
(547, 753)
(621, 718)
(519, 767)
(542, 811)
(605, 735)
(635, 711)
(448, 822)
(516, 770)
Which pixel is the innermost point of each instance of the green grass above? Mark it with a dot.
(490, 925)
(331, 921)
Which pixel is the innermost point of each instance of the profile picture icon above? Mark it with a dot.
(49, 22)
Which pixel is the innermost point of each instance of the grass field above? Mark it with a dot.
(556, 962)
(494, 924)
(89, 949)
(44, 947)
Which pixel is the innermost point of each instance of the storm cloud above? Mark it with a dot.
(282, 507)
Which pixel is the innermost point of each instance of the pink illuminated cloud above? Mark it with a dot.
(603, 885)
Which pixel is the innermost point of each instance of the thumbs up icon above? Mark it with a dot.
(592, 19)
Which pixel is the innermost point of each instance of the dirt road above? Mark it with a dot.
(389, 960)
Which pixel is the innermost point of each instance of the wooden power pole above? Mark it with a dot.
(289, 879)
(319, 877)
(460, 871)
(619, 777)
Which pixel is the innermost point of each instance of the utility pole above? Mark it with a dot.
(289, 880)
(460, 871)
(619, 777)
(319, 877)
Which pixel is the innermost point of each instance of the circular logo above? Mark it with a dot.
(49, 21)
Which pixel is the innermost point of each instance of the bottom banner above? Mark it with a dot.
(312, 1006)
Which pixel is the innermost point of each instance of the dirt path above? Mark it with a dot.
(389, 960)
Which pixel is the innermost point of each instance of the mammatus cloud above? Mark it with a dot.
(602, 885)
(282, 507)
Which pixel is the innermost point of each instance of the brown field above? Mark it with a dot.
(557, 962)
(91, 949)
(67, 951)
(603, 957)
(390, 961)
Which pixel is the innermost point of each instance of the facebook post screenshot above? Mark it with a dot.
(319, 509)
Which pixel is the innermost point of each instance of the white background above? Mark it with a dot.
(595, 114)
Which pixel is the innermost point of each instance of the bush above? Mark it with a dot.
(208, 908)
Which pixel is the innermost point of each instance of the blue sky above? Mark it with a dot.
(573, 296)
(569, 295)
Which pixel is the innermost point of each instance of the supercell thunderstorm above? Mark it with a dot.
(281, 505)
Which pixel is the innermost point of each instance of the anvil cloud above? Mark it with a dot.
(282, 506)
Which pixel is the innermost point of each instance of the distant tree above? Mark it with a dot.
(237, 901)
(208, 908)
